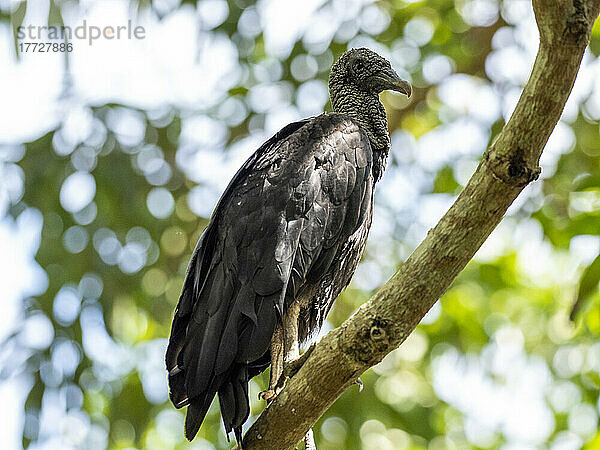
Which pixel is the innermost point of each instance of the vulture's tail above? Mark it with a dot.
(233, 400)
(196, 412)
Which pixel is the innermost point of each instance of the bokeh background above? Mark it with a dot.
(114, 155)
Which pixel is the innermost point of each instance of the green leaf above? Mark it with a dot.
(17, 20)
(55, 15)
(587, 181)
(445, 182)
(587, 285)
(595, 40)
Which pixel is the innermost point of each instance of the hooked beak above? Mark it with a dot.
(393, 82)
(402, 86)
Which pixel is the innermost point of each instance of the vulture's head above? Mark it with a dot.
(365, 70)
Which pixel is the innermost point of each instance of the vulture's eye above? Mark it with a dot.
(358, 66)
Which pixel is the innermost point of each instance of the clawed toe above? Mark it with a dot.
(270, 394)
(290, 369)
(267, 395)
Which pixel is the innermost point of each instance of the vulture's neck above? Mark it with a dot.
(368, 111)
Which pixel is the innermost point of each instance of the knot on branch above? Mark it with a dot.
(373, 342)
(512, 169)
(565, 22)
(578, 23)
(377, 334)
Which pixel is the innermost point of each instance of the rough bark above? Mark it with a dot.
(507, 166)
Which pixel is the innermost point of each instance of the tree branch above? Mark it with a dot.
(510, 163)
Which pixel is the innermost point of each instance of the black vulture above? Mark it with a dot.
(283, 241)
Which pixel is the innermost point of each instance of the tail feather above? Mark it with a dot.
(242, 404)
(227, 403)
(197, 411)
(233, 398)
(234, 402)
(238, 436)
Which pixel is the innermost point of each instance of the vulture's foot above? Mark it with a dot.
(291, 368)
(270, 394)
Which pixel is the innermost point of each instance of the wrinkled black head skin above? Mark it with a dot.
(366, 71)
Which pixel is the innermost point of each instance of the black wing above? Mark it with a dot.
(276, 228)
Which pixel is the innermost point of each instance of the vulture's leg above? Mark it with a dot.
(291, 346)
(292, 367)
(277, 347)
(286, 359)
(292, 361)
(285, 348)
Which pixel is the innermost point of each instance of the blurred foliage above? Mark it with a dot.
(115, 264)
